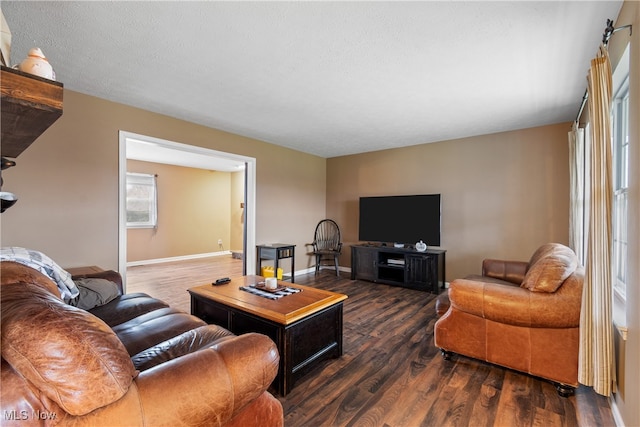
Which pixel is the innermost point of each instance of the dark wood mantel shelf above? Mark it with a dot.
(30, 104)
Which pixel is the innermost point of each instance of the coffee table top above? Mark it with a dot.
(285, 310)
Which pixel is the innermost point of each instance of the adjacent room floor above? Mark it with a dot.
(170, 281)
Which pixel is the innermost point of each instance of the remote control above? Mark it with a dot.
(221, 281)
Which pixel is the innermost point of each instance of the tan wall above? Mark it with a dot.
(628, 355)
(67, 182)
(503, 195)
(194, 211)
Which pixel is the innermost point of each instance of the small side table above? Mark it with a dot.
(276, 252)
(83, 271)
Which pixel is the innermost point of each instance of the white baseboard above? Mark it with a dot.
(327, 267)
(617, 418)
(177, 258)
(211, 254)
(305, 271)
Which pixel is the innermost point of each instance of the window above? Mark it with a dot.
(142, 206)
(620, 142)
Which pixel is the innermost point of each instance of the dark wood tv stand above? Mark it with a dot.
(405, 267)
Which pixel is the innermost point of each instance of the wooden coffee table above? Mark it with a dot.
(306, 326)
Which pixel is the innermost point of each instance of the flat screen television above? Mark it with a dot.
(400, 219)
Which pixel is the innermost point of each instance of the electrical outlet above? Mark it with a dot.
(219, 242)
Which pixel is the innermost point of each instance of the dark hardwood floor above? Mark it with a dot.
(391, 374)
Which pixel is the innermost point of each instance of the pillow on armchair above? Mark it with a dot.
(550, 266)
(94, 292)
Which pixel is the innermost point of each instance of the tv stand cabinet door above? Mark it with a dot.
(364, 263)
(420, 272)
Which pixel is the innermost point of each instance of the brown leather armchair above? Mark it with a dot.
(521, 315)
(64, 366)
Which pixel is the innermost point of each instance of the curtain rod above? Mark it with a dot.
(608, 32)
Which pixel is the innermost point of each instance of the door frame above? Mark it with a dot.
(249, 238)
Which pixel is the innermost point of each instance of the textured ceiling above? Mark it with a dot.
(326, 78)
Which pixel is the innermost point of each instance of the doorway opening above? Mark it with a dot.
(156, 150)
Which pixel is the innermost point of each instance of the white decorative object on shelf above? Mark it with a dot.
(421, 246)
(37, 64)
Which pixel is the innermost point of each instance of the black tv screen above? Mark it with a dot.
(400, 219)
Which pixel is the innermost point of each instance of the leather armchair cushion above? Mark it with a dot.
(154, 327)
(549, 267)
(72, 357)
(185, 343)
(246, 350)
(509, 271)
(489, 279)
(127, 307)
(210, 386)
(264, 411)
(515, 305)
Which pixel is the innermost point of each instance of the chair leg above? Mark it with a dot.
(565, 390)
(337, 268)
(317, 264)
(446, 355)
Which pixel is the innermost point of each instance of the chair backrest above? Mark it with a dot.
(327, 236)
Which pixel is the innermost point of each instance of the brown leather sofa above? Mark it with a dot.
(521, 315)
(132, 362)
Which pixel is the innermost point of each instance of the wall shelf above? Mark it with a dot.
(30, 104)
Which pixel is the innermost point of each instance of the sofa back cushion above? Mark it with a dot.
(549, 267)
(71, 356)
(12, 272)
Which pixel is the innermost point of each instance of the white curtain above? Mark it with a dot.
(596, 364)
(578, 196)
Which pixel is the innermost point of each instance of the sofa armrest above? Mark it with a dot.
(210, 386)
(511, 271)
(110, 275)
(518, 306)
